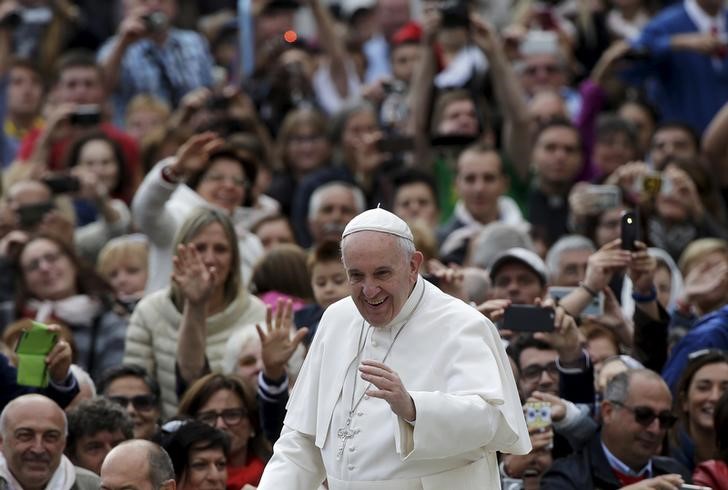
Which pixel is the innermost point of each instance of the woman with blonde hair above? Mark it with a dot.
(205, 304)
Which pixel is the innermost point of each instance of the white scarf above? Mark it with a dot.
(79, 310)
(63, 478)
(508, 213)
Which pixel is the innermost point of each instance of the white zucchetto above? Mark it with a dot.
(380, 220)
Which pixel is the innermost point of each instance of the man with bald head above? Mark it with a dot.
(32, 438)
(404, 386)
(137, 465)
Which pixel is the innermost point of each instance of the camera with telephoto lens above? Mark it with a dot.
(155, 21)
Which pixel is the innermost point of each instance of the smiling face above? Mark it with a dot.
(33, 445)
(48, 272)
(223, 184)
(630, 441)
(143, 416)
(222, 401)
(706, 387)
(215, 250)
(381, 277)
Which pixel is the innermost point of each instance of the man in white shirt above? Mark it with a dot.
(404, 388)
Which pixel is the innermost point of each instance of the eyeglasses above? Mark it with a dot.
(49, 258)
(141, 403)
(645, 415)
(220, 178)
(231, 416)
(533, 371)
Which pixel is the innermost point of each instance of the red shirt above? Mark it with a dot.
(58, 152)
(251, 473)
(713, 474)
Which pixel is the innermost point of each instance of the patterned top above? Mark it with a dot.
(169, 71)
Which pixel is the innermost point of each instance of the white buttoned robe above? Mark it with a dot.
(450, 359)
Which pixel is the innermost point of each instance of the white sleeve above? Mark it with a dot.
(149, 209)
(440, 431)
(296, 463)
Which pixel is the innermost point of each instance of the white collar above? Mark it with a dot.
(702, 20)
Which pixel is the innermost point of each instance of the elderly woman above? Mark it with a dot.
(206, 299)
(204, 173)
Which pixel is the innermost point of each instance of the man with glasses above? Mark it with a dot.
(636, 414)
(131, 387)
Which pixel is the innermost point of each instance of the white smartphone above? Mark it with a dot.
(595, 308)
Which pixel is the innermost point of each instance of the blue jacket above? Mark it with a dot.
(10, 389)
(685, 85)
(710, 332)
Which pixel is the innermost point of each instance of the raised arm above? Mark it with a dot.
(516, 128)
(130, 30)
(421, 90)
(148, 207)
(715, 145)
(197, 284)
(333, 45)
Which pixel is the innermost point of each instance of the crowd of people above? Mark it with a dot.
(177, 176)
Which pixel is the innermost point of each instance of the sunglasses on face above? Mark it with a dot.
(141, 403)
(232, 416)
(645, 416)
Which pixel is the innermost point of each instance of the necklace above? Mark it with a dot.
(346, 432)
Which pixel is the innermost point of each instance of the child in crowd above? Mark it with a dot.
(123, 264)
(329, 283)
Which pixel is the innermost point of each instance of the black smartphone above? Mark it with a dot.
(528, 318)
(86, 115)
(62, 184)
(630, 230)
(30, 215)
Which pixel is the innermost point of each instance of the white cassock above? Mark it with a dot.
(450, 359)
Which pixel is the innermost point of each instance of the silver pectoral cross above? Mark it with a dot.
(345, 433)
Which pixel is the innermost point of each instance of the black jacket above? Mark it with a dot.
(589, 469)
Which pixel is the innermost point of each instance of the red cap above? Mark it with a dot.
(411, 32)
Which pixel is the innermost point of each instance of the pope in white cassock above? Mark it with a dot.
(404, 387)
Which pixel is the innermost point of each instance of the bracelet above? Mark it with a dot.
(589, 290)
(170, 176)
(645, 298)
